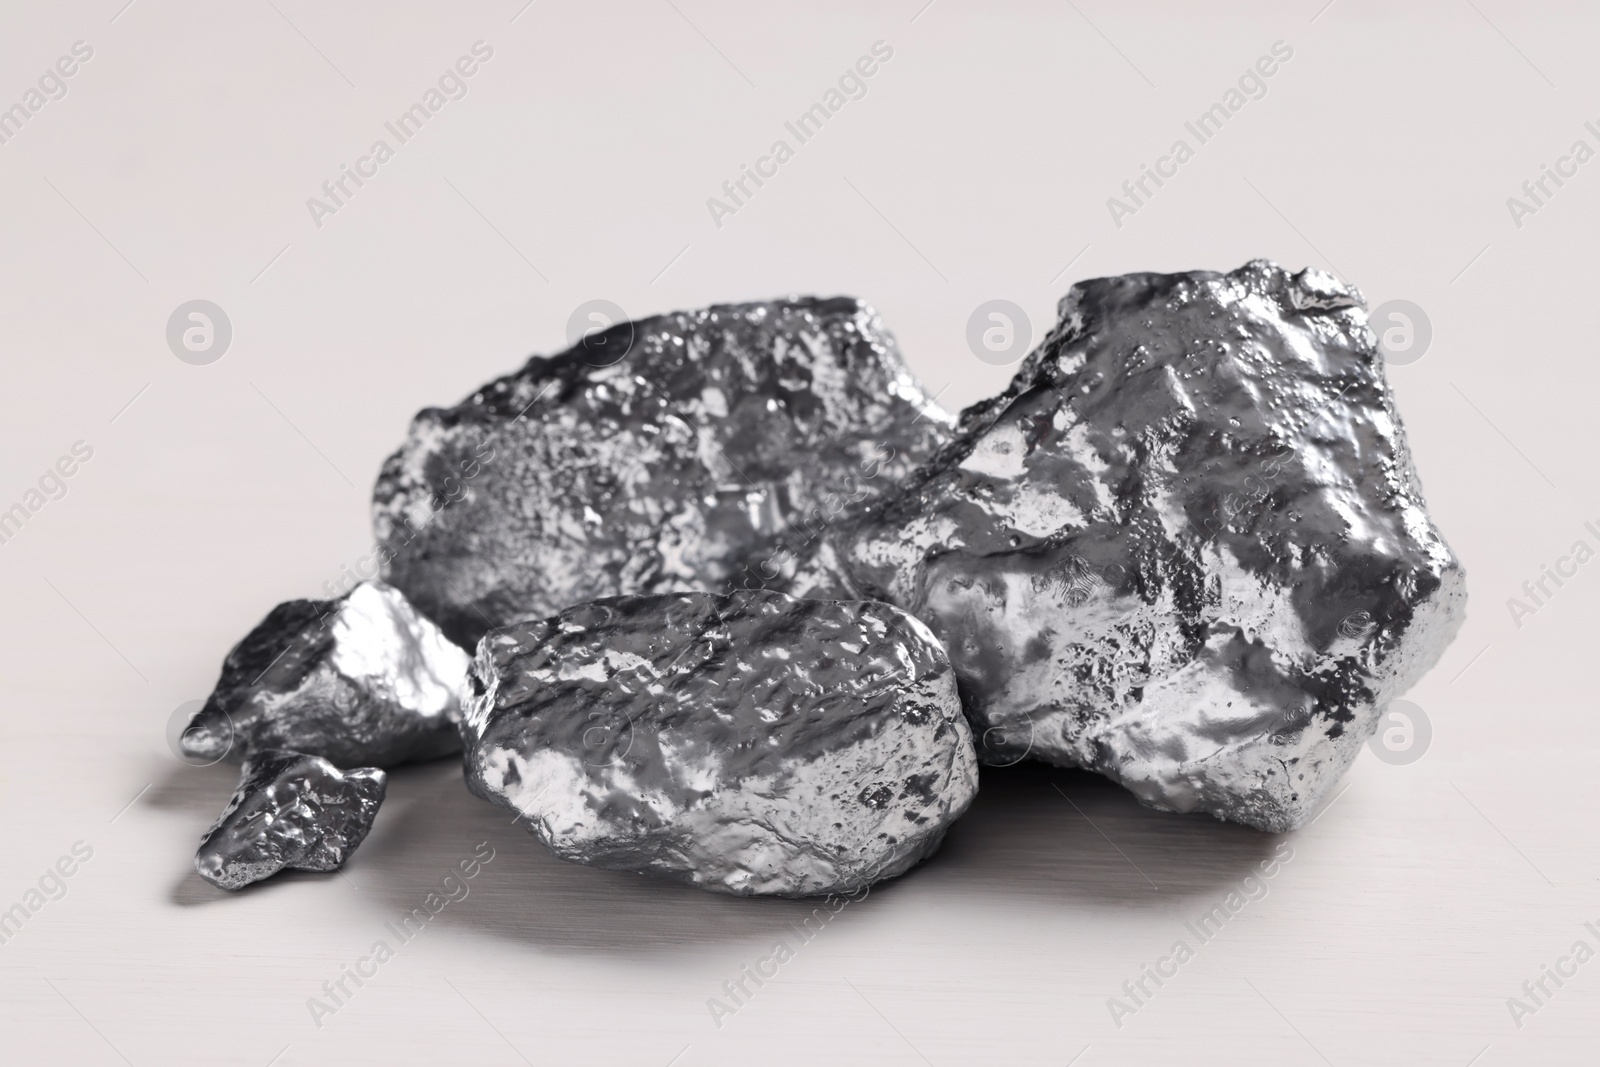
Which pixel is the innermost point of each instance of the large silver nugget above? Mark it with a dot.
(701, 450)
(290, 810)
(1185, 548)
(363, 680)
(752, 743)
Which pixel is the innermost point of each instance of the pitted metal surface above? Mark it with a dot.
(1186, 547)
(364, 680)
(702, 450)
(752, 743)
(290, 811)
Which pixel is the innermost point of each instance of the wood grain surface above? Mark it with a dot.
(1429, 899)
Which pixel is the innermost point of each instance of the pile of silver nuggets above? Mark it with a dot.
(724, 596)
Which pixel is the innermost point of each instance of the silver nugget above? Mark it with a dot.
(290, 811)
(750, 743)
(363, 680)
(1186, 547)
(701, 450)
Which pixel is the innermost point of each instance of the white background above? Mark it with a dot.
(578, 166)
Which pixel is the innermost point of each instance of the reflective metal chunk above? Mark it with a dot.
(751, 743)
(700, 450)
(290, 810)
(1186, 547)
(363, 680)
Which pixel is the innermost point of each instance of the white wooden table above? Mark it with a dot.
(177, 166)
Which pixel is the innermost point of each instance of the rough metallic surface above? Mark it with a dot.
(752, 743)
(363, 680)
(1186, 547)
(703, 450)
(290, 810)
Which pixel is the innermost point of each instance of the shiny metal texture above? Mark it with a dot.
(751, 744)
(290, 811)
(364, 680)
(701, 450)
(1186, 547)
